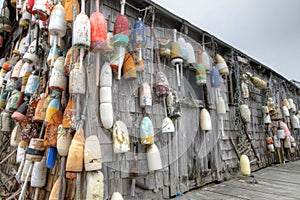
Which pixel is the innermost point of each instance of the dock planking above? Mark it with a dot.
(278, 181)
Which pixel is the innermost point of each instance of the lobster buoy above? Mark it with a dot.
(245, 165)
(286, 103)
(116, 196)
(6, 121)
(245, 90)
(25, 171)
(20, 113)
(76, 151)
(205, 120)
(32, 84)
(287, 142)
(277, 142)
(266, 115)
(162, 87)
(35, 150)
(64, 139)
(200, 71)
(257, 82)
(55, 189)
(95, 185)
(295, 121)
(14, 101)
(245, 113)
(31, 56)
(51, 157)
(145, 95)
(77, 82)
(106, 115)
(270, 144)
(51, 129)
(191, 59)
(221, 65)
(20, 153)
(106, 108)
(106, 76)
(17, 69)
(285, 111)
(52, 108)
(98, 30)
(71, 7)
(92, 154)
(205, 60)
(54, 57)
(82, 30)
(105, 95)
(221, 107)
(39, 174)
(182, 44)
(121, 142)
(129, 68)
(42, 9)
(280, 133)
(57, 22)
(153, 158)
(285, 128)
(173, 104)
(215, 78)
(139, 41)
(69, 113)
(167, 126)
(41, 108)
(146, 131)
(293, 141)
(71, 55)
(58, 79)
(292, 105)
(176, 57)
(15, 137)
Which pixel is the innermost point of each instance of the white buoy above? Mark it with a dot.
(168, 126)
(92, 154)
(116, 196)
(205, 120)
(95, 186)
(107, 115)
(153, 158)
(245, 165)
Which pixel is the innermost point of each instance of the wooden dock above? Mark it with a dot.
(276, 182)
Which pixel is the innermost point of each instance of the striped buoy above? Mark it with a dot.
(146, 131)
(221, 65)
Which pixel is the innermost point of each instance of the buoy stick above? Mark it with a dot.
(54, 49)
(62, 176)
(19, 172)
(178, 75)
(26, 181)
(78, 186)
(36, 193)
(97, 5)
(98, 68)
(122, 7)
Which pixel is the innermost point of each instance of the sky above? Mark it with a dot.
(266, 30)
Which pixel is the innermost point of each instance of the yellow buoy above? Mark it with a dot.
(245, 165)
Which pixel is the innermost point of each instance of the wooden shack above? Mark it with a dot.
(191, 157)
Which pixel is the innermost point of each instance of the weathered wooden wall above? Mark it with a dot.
(191, 158)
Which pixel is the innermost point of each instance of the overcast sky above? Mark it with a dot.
(266, 30)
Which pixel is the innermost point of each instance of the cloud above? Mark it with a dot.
(266, 30)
